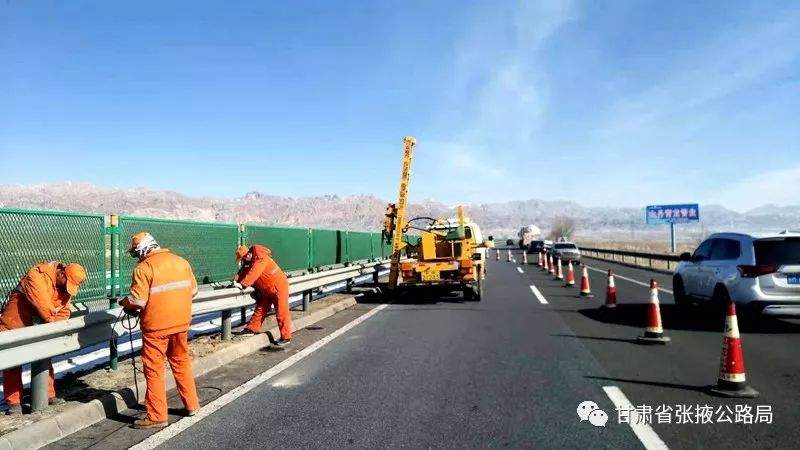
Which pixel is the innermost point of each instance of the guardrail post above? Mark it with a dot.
(306, 299)
(40, 378)
(349, 285)
(376, 275)
(113, 357)
(243, 312)
(226, 325)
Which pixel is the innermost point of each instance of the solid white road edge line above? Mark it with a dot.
(519, 269)
(538, 295)
(629, 279)
(205, 411)
(643, 431)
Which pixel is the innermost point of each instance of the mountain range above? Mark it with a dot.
(365, 212)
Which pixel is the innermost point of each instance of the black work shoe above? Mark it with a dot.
(245, 332)
(14, 410)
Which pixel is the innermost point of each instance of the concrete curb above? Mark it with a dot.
(51, 429)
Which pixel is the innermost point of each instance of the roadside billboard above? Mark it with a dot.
(684, 213)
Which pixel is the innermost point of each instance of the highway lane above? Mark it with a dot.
(428, 373)
(678, 373)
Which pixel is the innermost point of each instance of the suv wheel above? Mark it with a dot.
(720, 299)
(679, 292)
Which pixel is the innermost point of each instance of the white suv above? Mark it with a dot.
(758, 270)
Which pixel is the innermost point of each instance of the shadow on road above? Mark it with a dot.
(684, 387)
(597, 338)
(688, 318)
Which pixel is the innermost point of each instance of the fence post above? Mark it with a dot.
(226, 325)
(306, 299)
(113, 357)
(40, 379)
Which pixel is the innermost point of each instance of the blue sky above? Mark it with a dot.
(604, 103)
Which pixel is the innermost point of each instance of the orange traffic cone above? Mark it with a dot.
(525, 257)
(540, 260)
(509, 256)
(653, 332)
(611, 292)
(570, 275)
(545, 263)
(551, 267)
(731, 380)
(559, 273)
(586, 290)
(497, 255)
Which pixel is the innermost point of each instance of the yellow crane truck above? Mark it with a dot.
(450, 254)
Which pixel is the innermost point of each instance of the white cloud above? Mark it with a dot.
(780, 187)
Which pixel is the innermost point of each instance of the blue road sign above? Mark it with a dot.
(655, 214)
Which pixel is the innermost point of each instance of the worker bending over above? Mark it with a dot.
(162, 288)
(42, 295)
(271, 289)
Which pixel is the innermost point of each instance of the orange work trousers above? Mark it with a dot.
(12, 385)
(174, 347)
(276, 295)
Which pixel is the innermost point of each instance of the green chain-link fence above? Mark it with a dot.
(29, 237)
(290, 246)
(209, 247)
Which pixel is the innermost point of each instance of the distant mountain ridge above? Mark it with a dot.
(365, 212)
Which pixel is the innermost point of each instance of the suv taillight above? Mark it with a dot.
(757, 271)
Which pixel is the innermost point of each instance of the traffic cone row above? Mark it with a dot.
(497, 255)
(524, 257)
(731, 381)
(509, 256)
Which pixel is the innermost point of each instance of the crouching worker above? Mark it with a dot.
(271, 289)
(42, 295)
(162, 288)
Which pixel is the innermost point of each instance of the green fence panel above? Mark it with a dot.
(289, 246)
(28, 237)
(208, 247)
(360, 246)
(328, 247)
(377, 245)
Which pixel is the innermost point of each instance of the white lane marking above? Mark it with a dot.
(538, 295)
(642, 283)
(643, 431)
(519, 269)
(205, 411)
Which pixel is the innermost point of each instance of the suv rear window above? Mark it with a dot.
(777, 251)
(563, 246)
(725, 249)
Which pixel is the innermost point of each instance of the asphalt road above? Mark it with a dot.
(509, 371)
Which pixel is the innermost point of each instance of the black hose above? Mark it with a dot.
(129, 323)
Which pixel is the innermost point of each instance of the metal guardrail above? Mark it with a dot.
(662, 260)
(37, 344)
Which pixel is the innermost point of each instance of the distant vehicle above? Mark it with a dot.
(548, 245)
(526, 235)
(535, 247)
(509, 242)
(567, 251)
(761, 271)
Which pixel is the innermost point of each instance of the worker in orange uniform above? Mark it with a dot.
(42, 295)
(162, 289)
(271, 289)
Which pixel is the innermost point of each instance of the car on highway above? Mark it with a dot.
(759, 270)
(509, 242)
(568, 251)
(535, 247)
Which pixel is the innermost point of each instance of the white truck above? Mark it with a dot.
(527, 234)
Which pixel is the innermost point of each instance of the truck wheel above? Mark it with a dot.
(477, 294)
(468, 293)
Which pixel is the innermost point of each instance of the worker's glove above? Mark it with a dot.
(132, 312)
(238, 285)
